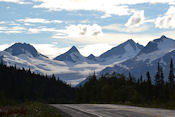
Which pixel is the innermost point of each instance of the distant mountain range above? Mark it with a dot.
(73, 67)
(119, 53)
(159, 50)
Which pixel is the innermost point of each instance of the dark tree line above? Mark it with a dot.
(23, 85)
(117, 88)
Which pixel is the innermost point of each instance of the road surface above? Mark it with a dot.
(109, 110)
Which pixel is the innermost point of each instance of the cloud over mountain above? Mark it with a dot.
(136, 19)
(168, 20)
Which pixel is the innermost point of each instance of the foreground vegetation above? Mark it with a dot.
(18, 86)
(22, 85)
(29, 109)
(118, 89)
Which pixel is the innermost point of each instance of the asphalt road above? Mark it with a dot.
(109, 110)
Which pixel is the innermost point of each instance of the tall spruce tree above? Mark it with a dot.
(148, 79)
(158, 75)
(148, 87)
(161, 77)
(130, 78)
(171, 74)
(141, 79)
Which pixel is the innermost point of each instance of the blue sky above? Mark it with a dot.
(53, 26)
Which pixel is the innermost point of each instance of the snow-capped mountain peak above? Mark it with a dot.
(22, 48)
(156, 48)
(160, 50)
(73, 50)
(128, 47)
(163, 43)
(130, 41)
(72, 55)
(163, 37)
(91, 57)
(134, 44)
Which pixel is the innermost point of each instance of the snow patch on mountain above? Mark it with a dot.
(71, 66)
(120, 53)
(22, 48)
(163, 46)
(160, 50)
(72, 55)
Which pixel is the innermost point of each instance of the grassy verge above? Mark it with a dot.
(29, 109)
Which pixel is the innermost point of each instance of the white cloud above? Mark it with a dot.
(99, 49)
(15, 29)
(108, 38)
(10, 23)
(85, 21)
(121, 28)
(168, 20)
(29, 24)
(84, 30)
(4, 46)
(16, 1)
(132, 2)
(108, 7)
(38, 20)
(106, 16)
(13, 24)
(79, 31)
(50, 50)
(169, 34)
(136, 19)
(99, 44)
(2, 22)
(41, 29)
(34, 30)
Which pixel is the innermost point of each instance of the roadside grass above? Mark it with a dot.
(29, 109)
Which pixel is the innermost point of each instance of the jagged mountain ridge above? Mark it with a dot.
(74, 71)
(121, 52)
(120, 49)
(72, 55)
(159, 50)
(135, 59)
(22, 48)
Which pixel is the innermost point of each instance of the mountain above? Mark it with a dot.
(91, 57)
(159, 50)
(156, 49)
(72, 55)
(126, 47)
(119, 53)
(25, 56)
(72, 67)
(22, 48)
(122, 52)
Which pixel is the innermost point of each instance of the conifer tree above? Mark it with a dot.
(171, 74)
(140, 80)
(148, 87)
(130, 78)
(158, 75)
(148, 79)
(161, 77)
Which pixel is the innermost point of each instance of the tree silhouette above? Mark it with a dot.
(171, 74)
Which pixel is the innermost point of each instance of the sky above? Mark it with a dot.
(93, 26)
